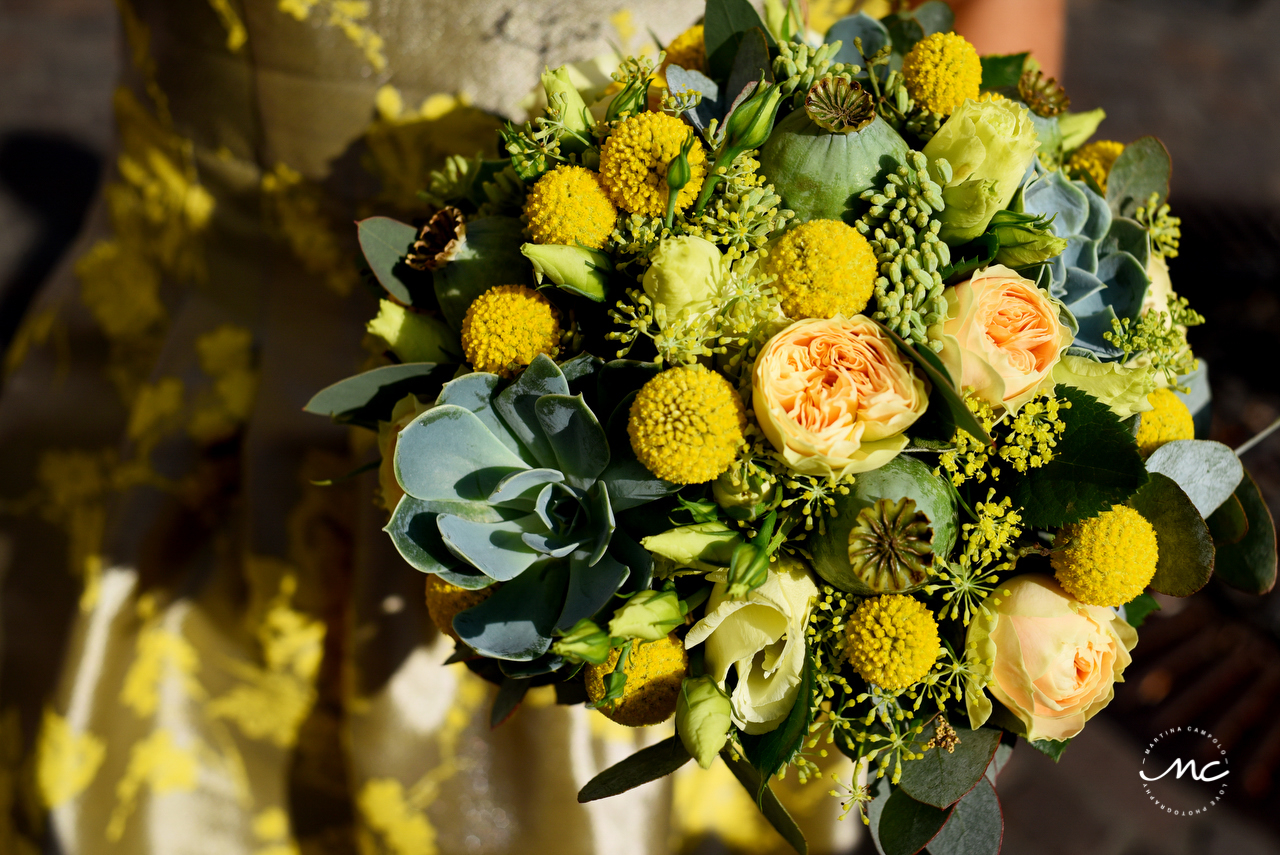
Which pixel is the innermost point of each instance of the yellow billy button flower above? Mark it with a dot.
(445, 601)
(1109, 558)
(568, 206)
(654, 672)
(1169, 420)
(824, 268)
(892, 641)
(686, 425)
(687, 50)
(942, 71)
(1095, 159)
(634, 159)
(506, 327)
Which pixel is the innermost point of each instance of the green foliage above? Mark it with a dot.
(726, 24)
(1139, 608)
(1095, 465)
(648, 764)
(900, 825)
(766, 800)
(1250, 563)
(1051, 748)
(489, 257)
(975, 827)
(1002, 71)
(1207, 472)
(368, 398)
(1185, 545)
(941, 778)
(1143, 168)
(385, 242)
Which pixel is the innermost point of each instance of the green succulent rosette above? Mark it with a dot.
(518, 485)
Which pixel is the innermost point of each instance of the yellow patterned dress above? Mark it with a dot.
(202, 650)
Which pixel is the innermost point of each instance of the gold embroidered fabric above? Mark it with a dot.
(202, 651)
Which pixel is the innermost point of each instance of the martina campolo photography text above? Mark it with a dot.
(659, 427)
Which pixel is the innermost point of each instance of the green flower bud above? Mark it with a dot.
(703, 718)
(983, 141)
(413, 336)
(565, 105)
(685, 276)
(584, 642)
(750, 124)
(703, 546)
(746, 499)
(1024, 239)
(649, 616)
(576, 269)
(678, 174)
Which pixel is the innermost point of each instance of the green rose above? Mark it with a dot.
(685, 276)
(703, 718)
(989, 145)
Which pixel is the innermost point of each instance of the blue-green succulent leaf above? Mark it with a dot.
(1098, 221)
(447, 454)
(475, 392)
(516, 622)
(580, 371)
(1126, 235)
(1081, 252)
(413, 530)
(591, 586)
(515, 404)
(549, 543)
(1054, 194)
(544, 664)
(521, 489)
(637, 559)
(542, 504)
(1084, 290)
(631, 484)
(575, 436)
(497, 549)
(1127, 284)
(600, 522)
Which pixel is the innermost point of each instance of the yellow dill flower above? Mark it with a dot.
(634, 159)
(1109, 559)
(568, 206)
(686, 425)
(892, 641)
(654, 672)
(1095, 159)
(1169, 420)
(445, 601)
(687, 50)
(506, 327)
(969, 456)
(824, 268)
(1033, 433)
(942, 71)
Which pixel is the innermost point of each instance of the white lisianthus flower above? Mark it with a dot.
(770, 621)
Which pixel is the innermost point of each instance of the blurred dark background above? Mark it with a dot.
(1204, 76)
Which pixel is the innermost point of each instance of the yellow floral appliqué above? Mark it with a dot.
(236, 35)
(226, 355)
(160, 762)
(66, 761)
(296, 206)
(161, 655)
(386, 812)
(346, 15)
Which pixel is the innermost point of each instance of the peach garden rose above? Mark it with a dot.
(834, 396)
(1002, 336)
(1055, 661)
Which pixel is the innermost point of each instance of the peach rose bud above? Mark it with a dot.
(1003, 336)
(1054, 661)
(834, 396)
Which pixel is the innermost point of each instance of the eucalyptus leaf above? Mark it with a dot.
(683, 80)
(752, 62)
(647, 764)
(1185, 546)
(975, 827)
(766, 800)
(1208, 472)
(1141, 169)
(1229, 523)
(370, 397)
(1003, 752)
(1002, 71)
(934, 16)
(942, 778)
(1250, 564)
(906, 826)
(725, 25)
(385, 242)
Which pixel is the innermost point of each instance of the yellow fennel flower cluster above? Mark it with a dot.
(823, 268)
(506, 327)
(687, 50)
(941, 72)
(1033, 433)
(686, 425)
(445, 601)
(969, 455)
(568, 206)
(1108, 559)
(892, 641)
(1169, 420)
(634, 160)
(654, 672)
(1095, 159)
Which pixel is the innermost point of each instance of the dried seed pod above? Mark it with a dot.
(891, 545)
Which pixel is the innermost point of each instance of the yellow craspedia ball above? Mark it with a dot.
(633, 164)
(892, 641)
(942, 71)
(822, 268)
(445, 601)
(506, 327)
(1169, 420)
(568, 206)
(654, 670)
(1109, 559)
(686, 425)
(688, 50)
(1095, 159)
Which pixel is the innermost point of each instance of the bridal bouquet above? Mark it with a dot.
(825, 392)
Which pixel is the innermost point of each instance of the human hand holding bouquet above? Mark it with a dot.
(817, 403)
